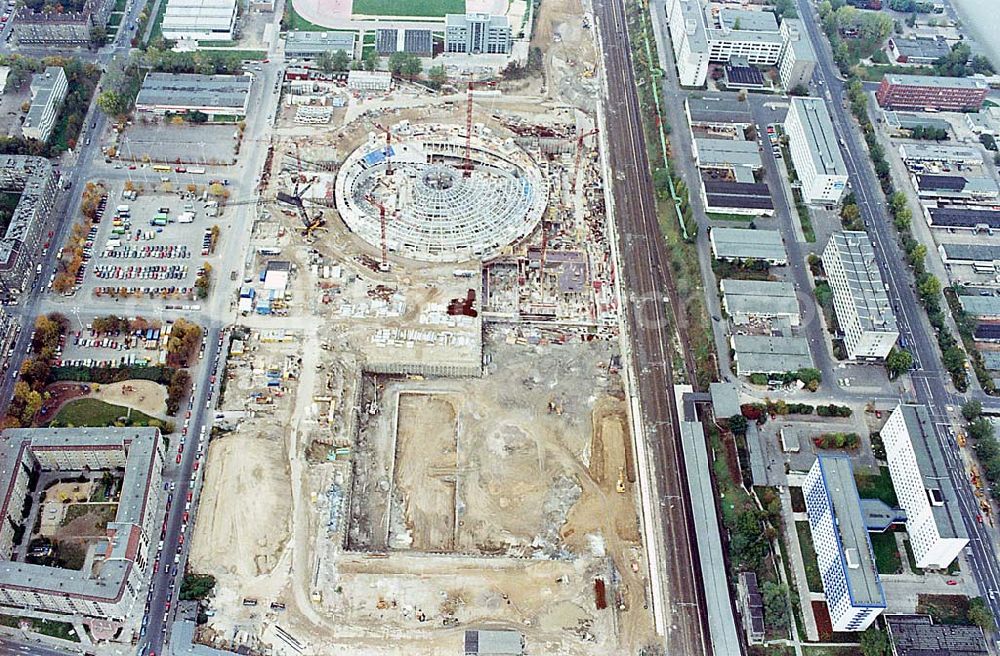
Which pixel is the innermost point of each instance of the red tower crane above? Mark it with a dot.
(388, 147)
(579, 154)
(384, 264)
(468, 130)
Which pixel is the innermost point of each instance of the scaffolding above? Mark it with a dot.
(439, 214)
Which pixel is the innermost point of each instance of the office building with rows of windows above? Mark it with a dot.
(860, 298)
(923, 486)
(853, 590)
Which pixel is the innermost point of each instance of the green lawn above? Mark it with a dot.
(813, 579)
(91, 412)
(157, 30)
(945, 609)
(910, 558)
(805, 219)
(408, 7)
(52, 628)
(877, 487)
(722, 216)
(887, 558)
(105, 513)
(847, 650)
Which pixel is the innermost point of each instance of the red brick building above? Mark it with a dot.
(928, 92)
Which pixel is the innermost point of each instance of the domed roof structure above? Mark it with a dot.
(435, 209)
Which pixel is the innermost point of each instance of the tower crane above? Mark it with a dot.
(388, 147)
(468, 131)
(384, 263)
(579, 154)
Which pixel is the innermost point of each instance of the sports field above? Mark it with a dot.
(407, 7)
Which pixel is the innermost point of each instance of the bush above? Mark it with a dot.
(106, 375)
(849, 441)
(833, 410)
(195, 587)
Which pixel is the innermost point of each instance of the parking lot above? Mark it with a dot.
(150, 247)
(141, 344)
(185, 143)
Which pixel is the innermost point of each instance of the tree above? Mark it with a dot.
(898, 362)
(437, 74)
(412, 68)
(972, 409)
(980, 614)
(850, 213)
(370, 60)
(953, 359)
(98, 36)
(981, 429)
(195, 587)
(738, 424)
(341, 61)
(776, 605)
(981, 65)
(929, 287)
(325, 61)
(875, 642)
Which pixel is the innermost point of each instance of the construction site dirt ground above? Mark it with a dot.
(361, 513)
(523, 464)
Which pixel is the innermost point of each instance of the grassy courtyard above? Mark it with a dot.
(94, 413)
(813, 579)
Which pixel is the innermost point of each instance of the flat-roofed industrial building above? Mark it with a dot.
(931, 92)
(770, 354)
(741, 158)
(215, 95)
(749, 198)
(918, 635)
(747, 244)
(746, 300)
(310, 45)
(207, 20)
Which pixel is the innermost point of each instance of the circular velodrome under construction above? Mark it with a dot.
(435, 210)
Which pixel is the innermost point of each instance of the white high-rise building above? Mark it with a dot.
(859, 296)
(813, 145)
(48, 90)
(851, 583)
(698, 39)
(689, 40)
(477, 33)
(798, 59)
(923, 486)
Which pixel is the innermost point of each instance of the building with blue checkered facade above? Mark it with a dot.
(851, 583)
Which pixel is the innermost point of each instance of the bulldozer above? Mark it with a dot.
(620, 485)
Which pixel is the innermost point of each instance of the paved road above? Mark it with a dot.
(14, 647)
(645, 268)
(218, 313)
(930, 381)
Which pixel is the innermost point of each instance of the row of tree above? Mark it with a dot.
(71, 263)
(183, 343)
(928, 287)
(29, 391)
